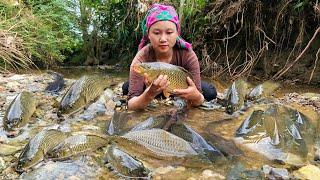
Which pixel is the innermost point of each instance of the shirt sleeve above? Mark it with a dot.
(192, 65)
(136, 81)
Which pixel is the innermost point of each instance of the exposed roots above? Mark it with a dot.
(250, 35)
(284, 70)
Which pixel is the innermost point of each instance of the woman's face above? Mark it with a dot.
(163, 35)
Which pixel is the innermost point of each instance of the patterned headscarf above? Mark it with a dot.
(160, 12)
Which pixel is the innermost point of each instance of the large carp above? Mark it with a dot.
(163, 121)
(159, 142)
(253, 121)
(125, 164)
(76, 145)
(160, 146)
(279, 132)
(57, 85)
(38, 146)
(196, 140)
(263, 90)
(19, 111)
(177, 76)
(236, 95)
(82, 93)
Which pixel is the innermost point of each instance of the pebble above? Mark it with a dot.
(2, 164)
(280, 173)
(307, 172)
(163, 170)
(209, 174)
(191, 178)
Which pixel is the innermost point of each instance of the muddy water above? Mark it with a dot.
(215, 122)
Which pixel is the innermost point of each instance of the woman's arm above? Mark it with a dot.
(155, 88)
(191, 94)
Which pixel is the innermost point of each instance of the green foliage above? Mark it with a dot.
(300, 5)
(119, 26)
(45, 28)
(228, 34)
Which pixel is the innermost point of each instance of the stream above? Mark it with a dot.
(241, 161)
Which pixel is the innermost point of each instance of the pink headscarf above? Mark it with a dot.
(160, 12)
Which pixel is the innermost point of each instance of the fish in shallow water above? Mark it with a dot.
(235, 96)
(20, 111)
(253, 121)
(160, 142)
(279, 132)
(77, 144)
(177, 76)
(82, 93)
(160, 146)
(195, 139)
(57, 85)
(124, 163)
(38, 146)
(263, 90)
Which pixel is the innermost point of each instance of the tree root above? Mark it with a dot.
(283, 71)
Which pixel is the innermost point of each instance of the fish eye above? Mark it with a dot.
(16, 121)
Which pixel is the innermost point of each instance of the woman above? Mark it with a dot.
(161, 42)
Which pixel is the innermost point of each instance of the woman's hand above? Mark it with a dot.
(191, 94)
(157, 86)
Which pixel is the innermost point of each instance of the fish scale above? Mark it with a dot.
(19, 111)
(77, 144)
(161, 142)
(177, 76)
(82, 92)
(38, 146)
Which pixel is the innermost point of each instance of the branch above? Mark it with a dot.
(315, 65)
(227, 38)
(301, 54)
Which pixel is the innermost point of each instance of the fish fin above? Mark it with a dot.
(166, 93)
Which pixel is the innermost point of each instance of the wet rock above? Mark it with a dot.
(279, 173)
(311, 95)
(191, 178)
(103, 106)
(266, 169)
(17, 77)
(2, 164)
(238, 171)
(306, 99)
(62, 170)
(275, 173)
(9, 173)
(10, 158)
(3, 136)
(90, 127)
(209, 174)
(307, 172)
(163, 170)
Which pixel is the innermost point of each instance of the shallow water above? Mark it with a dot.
(202, 121)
